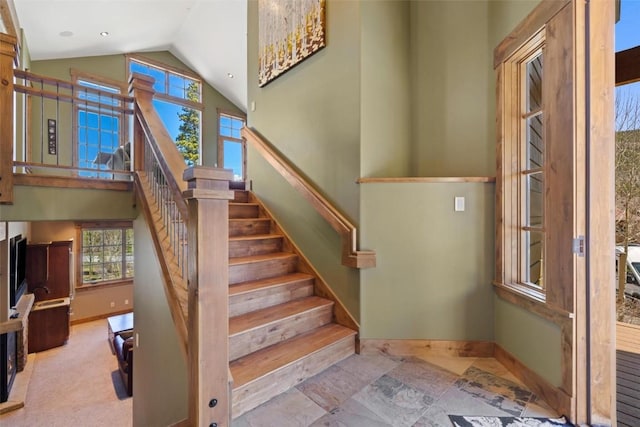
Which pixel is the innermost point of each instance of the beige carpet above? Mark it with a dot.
(75, 385)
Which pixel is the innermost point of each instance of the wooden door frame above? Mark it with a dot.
(595, 308)
(586, 318)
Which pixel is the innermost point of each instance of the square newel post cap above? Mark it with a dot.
(141, 82)
(208, 183)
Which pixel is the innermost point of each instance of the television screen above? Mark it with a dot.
(17, 259)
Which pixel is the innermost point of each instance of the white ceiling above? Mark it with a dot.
(209, 36)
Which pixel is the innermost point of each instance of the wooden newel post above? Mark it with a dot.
(208, 197)
(7, 59)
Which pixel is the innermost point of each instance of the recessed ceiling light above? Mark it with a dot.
(104, 33)
(230, 75)
(66, 34)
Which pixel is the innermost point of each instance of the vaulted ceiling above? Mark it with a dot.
(209, 36)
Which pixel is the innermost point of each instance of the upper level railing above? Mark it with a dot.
(73, 130)
(351, 256)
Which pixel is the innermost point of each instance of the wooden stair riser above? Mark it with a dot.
(279, 333)
(275, 331)
(269, 296)
(249, 226)
(256, 246)
(243, 210)
(240, 196)
(255, 393)
(262, 269)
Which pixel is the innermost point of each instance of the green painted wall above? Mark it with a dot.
(160, 372)
(531, 339)
(114, 67)
(435, 266)
(57, 204)
(385, 135)
(312, 115)
(452, 126)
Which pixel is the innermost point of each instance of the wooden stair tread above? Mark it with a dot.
(254, 237)
(245, 287)
(265, 316)
(260, 258)
(261, 218)
(267, 360)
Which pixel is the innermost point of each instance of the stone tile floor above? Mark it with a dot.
(383, 390)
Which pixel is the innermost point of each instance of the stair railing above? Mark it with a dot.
(351, 256)
(8, 53)
(189, 212)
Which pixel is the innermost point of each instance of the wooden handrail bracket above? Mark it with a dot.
(351, 256)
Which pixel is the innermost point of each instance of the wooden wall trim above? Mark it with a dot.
(600, 201)
(536, 19)
(546, 311)
(7, 56)
(428, 179)
(554, 396)
(71, 182)
(427, 347)
(100, 316)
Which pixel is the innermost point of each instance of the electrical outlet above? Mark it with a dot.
(112, 304)
(126, 302)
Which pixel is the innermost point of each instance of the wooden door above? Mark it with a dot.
(554, 243)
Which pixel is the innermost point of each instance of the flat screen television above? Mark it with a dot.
(18, 268)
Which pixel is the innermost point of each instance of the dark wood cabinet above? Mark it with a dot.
(48, 328)
(37, 261)
(59, 270)
(48, 264)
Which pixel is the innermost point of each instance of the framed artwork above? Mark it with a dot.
(289, 31)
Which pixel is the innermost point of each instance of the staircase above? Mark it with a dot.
(280, 331)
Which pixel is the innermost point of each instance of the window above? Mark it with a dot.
(105, 253)
(231, 146)
(100, 126)
(532, 172)
(524, 152)
(178, 101)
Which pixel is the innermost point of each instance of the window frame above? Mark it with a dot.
(223, 138)
(169, 70)
(103, 225)
(511, 241)
(117, 111)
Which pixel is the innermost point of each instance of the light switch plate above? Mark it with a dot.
(459, 204)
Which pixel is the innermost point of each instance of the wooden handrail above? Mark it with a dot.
(351, 256)
(169, 158)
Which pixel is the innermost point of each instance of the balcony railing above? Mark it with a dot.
(71, 130)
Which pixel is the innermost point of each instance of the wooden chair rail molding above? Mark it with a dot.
(427, 179)
(351, 256)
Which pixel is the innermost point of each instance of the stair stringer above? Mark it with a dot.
(175, 286)
(341, 315)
